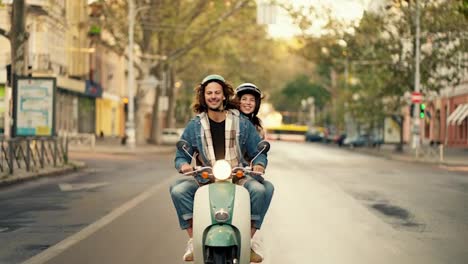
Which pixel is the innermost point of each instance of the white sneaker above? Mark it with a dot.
(255, 251)
(188, 256)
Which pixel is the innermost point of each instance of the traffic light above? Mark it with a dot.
(422, 111)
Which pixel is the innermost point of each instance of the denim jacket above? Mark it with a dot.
(247, 139)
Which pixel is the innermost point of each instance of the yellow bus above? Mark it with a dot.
(287, 132)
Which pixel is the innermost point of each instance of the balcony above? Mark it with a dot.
(40, 61)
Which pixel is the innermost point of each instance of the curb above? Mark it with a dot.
(72, 166)
(125, 152)
(410, 158)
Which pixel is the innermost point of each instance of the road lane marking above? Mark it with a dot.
(63, 245)
(68, 187)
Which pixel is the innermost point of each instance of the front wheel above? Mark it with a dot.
(221, 255)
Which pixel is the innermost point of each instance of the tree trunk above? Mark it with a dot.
(19, 52)
(143, 105)
(19, 39)
(155, 124)
(399, 147)
(170, 116)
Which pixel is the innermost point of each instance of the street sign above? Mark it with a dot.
(416, 97)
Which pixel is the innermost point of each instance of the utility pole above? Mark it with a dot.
(19, 53)
(416, 120)
(130, 131)
(130, 126)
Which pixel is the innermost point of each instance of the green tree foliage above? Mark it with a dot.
(289, 98)
(378, 55)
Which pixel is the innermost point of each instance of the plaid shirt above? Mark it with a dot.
(241, 139)
(231, 129)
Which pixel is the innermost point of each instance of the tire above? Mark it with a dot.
(221, 255)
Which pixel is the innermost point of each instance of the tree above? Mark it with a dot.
(164, 34)
(18, 37)
(289, 99)
(379, 53)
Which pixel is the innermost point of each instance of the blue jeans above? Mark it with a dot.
(183, 192)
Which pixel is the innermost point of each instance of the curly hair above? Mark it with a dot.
(199, 104)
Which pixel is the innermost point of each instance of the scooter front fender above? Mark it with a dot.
(221, 236)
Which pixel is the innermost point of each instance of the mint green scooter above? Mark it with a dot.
(221, 212)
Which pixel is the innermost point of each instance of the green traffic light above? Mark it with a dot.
(421, 115)
(422, 106)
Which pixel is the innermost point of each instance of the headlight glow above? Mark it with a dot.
(221, 215)
(222, 170)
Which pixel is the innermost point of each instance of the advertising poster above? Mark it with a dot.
(391, 131)
(34, 106)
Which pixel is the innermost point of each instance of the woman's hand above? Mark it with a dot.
(258, 168)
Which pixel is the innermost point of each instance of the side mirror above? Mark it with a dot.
(184, 146)
(263, 146)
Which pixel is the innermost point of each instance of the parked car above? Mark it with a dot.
(171, 135)
(315, 134)
(363, 140)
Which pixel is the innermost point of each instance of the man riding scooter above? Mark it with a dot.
(217, 132)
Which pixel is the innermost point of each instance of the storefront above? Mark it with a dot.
(447, 118)
(67, 97)
(109, 110)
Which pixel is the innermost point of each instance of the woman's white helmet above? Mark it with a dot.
(249, 88)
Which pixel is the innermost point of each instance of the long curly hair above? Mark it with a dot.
(199, 104)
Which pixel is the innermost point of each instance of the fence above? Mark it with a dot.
(32, 153)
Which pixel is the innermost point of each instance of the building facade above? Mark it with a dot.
(90, 78)
(446, 121)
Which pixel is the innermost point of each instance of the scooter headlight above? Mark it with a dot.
(222, 170)
(221, 215)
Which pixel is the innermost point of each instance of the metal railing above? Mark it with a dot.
(32, 153)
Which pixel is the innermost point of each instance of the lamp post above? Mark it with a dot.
(130, 126)
(416, 121)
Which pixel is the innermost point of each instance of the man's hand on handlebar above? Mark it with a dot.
(186, 168)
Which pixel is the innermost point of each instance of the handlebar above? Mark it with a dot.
(245, 171)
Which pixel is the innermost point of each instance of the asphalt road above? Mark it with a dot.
(330, 206)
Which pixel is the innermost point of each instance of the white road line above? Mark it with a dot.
(55, 250)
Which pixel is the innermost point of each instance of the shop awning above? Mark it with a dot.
(457, 116)
(71, 84)
(464, 114)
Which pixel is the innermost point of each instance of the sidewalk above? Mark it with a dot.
(21, 175)
(453, 157)
(110, 148)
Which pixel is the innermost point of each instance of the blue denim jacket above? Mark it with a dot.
(247, 141)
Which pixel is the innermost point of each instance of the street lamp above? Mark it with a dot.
(416, 122)
(130, 126)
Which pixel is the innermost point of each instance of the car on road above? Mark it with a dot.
(315, 134)
(362, 141)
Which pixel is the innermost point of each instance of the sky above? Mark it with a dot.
(344, 9)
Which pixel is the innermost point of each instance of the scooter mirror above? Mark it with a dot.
(184, 146)
(263, 146)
